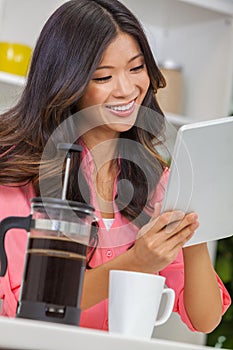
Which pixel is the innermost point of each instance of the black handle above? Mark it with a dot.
(5, 225)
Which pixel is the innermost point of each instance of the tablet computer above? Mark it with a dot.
(201, 177)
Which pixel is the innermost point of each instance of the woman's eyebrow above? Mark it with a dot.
(111, 67)
(135, 57)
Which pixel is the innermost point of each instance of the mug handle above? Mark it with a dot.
(168, 306)
(5, 225)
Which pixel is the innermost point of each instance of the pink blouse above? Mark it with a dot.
(16, 202)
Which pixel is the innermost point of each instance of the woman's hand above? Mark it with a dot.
(156, 246)
(159, 242)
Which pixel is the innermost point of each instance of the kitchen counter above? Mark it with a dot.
(27, 334)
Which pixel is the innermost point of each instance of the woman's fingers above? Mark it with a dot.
(162, 238)
(157, 211)
(183, 236)
(158, 223)
(170, 224)
(162, 222)
(176, 226)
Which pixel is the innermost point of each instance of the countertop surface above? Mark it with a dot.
(26, 334)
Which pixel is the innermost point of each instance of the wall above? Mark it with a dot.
(22, 20)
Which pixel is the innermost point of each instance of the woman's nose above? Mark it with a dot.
(124, 86)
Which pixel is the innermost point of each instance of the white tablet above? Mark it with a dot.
(201, 177)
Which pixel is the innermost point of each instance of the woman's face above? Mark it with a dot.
(118, 86)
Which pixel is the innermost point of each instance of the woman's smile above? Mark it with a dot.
(122, 110)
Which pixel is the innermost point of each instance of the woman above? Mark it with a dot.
(93, 56)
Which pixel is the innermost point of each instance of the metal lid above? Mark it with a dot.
(61, 204)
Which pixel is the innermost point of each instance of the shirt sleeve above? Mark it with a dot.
(9, 297)
(174, 274)
(15, 245)
(14, 201)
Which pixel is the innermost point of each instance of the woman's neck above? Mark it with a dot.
(103, 150)
(104, 154)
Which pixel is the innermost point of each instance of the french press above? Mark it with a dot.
(59, 233)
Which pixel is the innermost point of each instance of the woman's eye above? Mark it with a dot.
(103, 79)
(135, 69)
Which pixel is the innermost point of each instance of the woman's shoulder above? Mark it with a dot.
(15, 200)
(164, 178)
(159, 192)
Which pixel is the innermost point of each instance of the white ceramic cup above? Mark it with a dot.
(134, 300)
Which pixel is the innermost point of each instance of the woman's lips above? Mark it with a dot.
(122, 110)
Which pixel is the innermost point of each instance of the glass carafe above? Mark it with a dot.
(59, 233)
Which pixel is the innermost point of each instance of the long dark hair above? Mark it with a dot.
(68, 51)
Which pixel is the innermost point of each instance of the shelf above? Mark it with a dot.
(11, 79)
(176, 13)
(220, 6)
(11, 87)
(178, 120)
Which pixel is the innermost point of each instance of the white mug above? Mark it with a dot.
(134, 300)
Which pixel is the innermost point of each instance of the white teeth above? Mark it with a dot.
(122, 108)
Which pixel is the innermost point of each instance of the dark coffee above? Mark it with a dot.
(54, 271)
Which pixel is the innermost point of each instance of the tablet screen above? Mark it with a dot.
(201, 177)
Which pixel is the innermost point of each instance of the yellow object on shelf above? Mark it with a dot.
(15, 58)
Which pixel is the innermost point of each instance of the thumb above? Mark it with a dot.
(157, 210)
(154, 216)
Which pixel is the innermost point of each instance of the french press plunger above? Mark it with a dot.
(59, 233)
